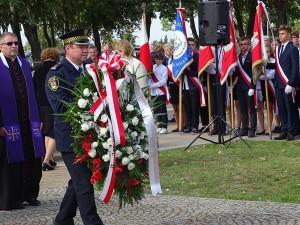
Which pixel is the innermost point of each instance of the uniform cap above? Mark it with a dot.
(79, 37)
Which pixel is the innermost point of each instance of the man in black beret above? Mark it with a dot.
(80, 191)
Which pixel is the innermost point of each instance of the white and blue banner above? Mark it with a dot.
(182, 56)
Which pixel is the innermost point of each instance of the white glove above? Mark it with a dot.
(251, 92)
(288, 89)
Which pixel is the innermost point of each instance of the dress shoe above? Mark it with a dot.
(33, 202)
(175, 130)
(187, 131)
(46, 166)
(261, 133)
(52, 163)
(242, 133)
(251, 134)
(290, 137)
(281, 136)
(276, 130)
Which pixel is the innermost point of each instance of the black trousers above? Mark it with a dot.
(79, 193)
(286, 110)
(160, 111)
(247, 103)
(191, 104)
(216, 102)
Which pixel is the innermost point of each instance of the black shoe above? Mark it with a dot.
(243, 133)
(281, 136)
(46, 166)
(290, 137)
(261, 133)
(276, 130)
(251, 134)
(186, 131)
(33, 202)
(175, 130)
(52, 163)
(214, 131)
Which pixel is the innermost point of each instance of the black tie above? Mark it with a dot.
(80, 70)
(281, 50)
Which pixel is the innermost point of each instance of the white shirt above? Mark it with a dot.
(161, 74)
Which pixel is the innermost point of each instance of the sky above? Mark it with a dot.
(156, 32)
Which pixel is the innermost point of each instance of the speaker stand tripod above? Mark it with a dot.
(219, 118)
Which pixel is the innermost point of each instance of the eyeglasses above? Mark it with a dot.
(10, 43)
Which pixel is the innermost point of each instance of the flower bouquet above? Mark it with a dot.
(110, 133)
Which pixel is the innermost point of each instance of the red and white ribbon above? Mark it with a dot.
(201, 89)
(244, 75)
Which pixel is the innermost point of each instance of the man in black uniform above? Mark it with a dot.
(80, 192)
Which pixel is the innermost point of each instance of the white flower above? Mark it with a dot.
(94, 144)
(130, 166)
(131, 157)
(103, 131)
(88, 117)
(142, 135)
(95, 98)
(85, 127)
(92, 153)
(105, 158)
(103, 118)
(125, 161)
(106, 145)
(82, 103)
(125, 125)
(137, 147)
(86, 92)
(134, 134)
(135, 121)
(118, 154)
(129, 108)
(146, 156)
(129, 150)
(109, 141)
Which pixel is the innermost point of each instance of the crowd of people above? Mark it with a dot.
(31, 128)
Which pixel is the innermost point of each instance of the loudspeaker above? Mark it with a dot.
(213, 17)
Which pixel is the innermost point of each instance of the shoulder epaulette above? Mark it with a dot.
(55, 67)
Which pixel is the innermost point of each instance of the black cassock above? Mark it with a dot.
(19, 181)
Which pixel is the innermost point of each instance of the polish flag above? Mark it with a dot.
(145, 57)
(206, 57)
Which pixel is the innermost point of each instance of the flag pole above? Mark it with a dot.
(268, 105)
(232, 103)
(179, 3)
(209, 101)
(180, 105)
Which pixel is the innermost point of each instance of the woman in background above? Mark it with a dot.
(49, 57)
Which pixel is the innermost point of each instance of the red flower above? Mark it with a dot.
(97, 162)
(87, 138)
(96, 176)
(86, 146)
(140, 161)
(119, 170)
(133, 182)
(101, 124)
(121, 165)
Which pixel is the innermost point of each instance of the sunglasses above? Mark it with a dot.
(10, 43)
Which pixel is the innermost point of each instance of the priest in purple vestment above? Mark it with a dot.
(21, 143)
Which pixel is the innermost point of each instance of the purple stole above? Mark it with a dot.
(9, 112)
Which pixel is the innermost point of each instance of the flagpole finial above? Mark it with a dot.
(144, 6)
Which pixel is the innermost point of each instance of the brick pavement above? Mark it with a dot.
(159, 210)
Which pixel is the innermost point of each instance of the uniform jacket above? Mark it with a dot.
(247, 66)
(193, 72)
(289, 62)
(62, 130)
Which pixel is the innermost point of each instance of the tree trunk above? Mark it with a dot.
(15, 26)
(32, 37)
(239, 19)
(250, 24)
(52, 34)
(193, 28)
(46, 34)
(96, 35)
(280, 7)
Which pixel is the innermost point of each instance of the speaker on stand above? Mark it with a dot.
(213, 19)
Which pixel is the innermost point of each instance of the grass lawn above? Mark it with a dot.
(269, 171)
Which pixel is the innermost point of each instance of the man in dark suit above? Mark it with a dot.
(80, 192)
(285, 81)
(245, 89)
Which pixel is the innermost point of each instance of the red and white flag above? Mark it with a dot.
(206, 57)
(145, 57)
(259, 54)
(228, 58)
